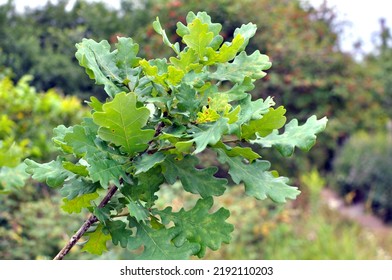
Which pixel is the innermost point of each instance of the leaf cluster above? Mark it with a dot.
(160, 114)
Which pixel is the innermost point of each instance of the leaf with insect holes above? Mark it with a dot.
(121, 123)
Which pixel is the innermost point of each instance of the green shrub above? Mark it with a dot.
(363, 169)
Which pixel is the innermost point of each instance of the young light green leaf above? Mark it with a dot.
(197, 181)
(303, 137)
(187, 60)
(158, 245)
(77, 169)
(76, 204)
(251, 66)
(96, 243)
(238, 151)
(227, 51)
(199, 226)
(198, 38)
(274, 119)
(52, 173)
(121, 122)
(258, 181)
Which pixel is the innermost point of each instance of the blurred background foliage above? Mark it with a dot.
(42, 86)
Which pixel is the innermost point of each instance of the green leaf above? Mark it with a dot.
(188, 60)
(95, 104)
(158, 28)
(147, 184)
(274, 119)
(78, 187)
(258, 181)
(102, 214)
(250, 110)
(243, 66)
(105, 170)
(236, 151)
(78, 203)
(118, 232)
(155, 71)
(239, 91)
(197, 181)
(147, 161)
(187, 100)
(138, 211)
(158, 245)
(96, 243)
(204, 18)
(52, 173)
(228, 51)
(76, 168)
(199, 226)
(58, 139)
(303, 137)
(247, 31)
(126, 59)
(208, 134)
(82, 138)
(121, 122)
(100, 64)
(198, 37)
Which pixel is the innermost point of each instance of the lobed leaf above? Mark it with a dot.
(158, 245)
(199, 226)
(96, 244)
(52, 173)
(76, 204)
(121, 122)
(259, 182)
(197, 181)
(303, 137)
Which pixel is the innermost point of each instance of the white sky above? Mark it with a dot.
(363, 17)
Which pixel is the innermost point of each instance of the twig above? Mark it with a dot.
(87, 224)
